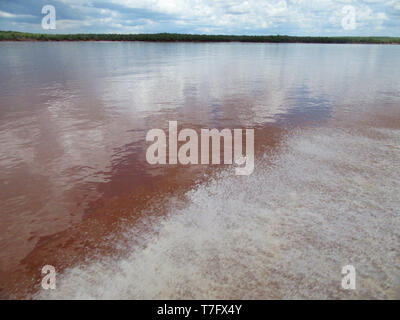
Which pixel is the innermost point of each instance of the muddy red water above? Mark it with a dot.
(73, 121)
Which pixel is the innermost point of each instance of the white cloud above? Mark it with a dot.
(6, 15)
(300, 16)
(294, 17)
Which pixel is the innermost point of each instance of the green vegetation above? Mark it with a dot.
(174, 37)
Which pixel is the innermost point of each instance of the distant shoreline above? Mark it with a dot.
(175, 37)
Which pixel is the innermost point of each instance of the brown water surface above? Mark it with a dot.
(74, 116)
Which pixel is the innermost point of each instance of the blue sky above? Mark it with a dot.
(292, 17)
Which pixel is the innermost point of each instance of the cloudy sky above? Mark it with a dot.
(292, 17)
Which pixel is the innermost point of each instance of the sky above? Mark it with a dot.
(255, 17)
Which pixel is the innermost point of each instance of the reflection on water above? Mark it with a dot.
(73, 116)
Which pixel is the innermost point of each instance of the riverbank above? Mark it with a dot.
(175, 37)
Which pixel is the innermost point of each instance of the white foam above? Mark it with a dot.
(329, 199)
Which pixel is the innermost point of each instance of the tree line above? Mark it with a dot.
(176, 37)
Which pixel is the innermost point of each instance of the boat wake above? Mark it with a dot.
(328, 198)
